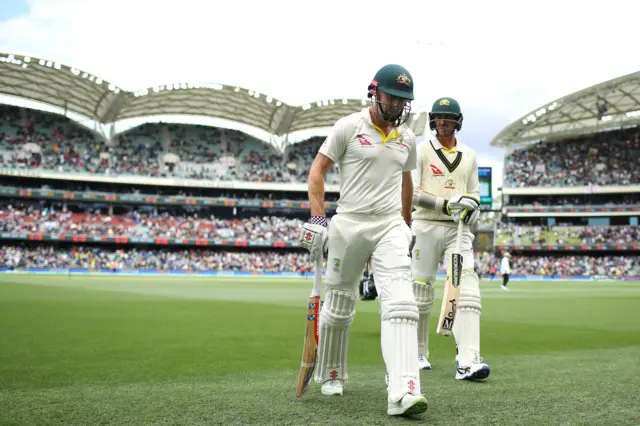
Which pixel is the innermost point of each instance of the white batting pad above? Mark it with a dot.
(466, 328)
(335, 320)
(400, 348)
(424, 295)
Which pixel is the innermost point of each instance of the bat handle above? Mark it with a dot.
(317, 277)
(459, 237)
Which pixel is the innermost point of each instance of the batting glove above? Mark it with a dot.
(314, 236)
(470, 202)
(467, 216)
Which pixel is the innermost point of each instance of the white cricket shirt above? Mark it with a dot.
(444, 173)
(505, 268)
(371, 165)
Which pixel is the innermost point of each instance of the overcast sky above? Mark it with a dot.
(500, 59)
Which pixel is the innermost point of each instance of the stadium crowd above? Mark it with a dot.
(25, 256)
(22, 257)
(579, 265)
(137, 224)
(610, 158)
(37, 140)
(509, 233)
(591, 200)
(145, 225)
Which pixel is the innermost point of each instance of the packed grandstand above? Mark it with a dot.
(69, 200)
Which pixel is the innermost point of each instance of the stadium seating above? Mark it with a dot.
(194, 260)
(591, 200)
(610, 158)
(513, 234)
(36, 140)
(578, 265)
(22, 257)
(49, 142)
(144, 225)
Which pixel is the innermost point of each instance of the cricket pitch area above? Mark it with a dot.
(181, 350)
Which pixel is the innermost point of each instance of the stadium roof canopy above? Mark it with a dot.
(86, 94)
(609, 105)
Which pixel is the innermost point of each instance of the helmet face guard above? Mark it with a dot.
(396, 114)
(448, 118)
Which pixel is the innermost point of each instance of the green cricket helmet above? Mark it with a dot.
(393, 80)
(447, 109)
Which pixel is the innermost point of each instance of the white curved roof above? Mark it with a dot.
(577, 113)
(86, 94)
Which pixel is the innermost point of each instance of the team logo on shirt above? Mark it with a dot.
(435, 170)
(364, 141)
(450, 184)
(400, 142)
(336, 264)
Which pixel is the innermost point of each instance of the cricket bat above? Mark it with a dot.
(451, 289)
(310, 348)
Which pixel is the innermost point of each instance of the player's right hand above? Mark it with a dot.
(314, 236)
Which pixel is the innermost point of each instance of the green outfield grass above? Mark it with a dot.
(168, 351)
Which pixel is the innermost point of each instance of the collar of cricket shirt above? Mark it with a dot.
(394, 134)
(440, 150)
(438, 146)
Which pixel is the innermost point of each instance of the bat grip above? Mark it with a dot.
(317, 277)
(459, 237)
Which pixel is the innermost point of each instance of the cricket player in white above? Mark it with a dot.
(505, 270)
(447, 190)
(376, 153)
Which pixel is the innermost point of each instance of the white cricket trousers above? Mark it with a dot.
(353, 239)
(436, 242)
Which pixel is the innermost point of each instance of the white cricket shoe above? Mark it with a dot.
(409, 405)
(504, 287)
(423, 363)
(332, 387)
(476, 370)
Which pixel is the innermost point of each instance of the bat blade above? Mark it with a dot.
(310, 348)
(448, 310)
(451, 290)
